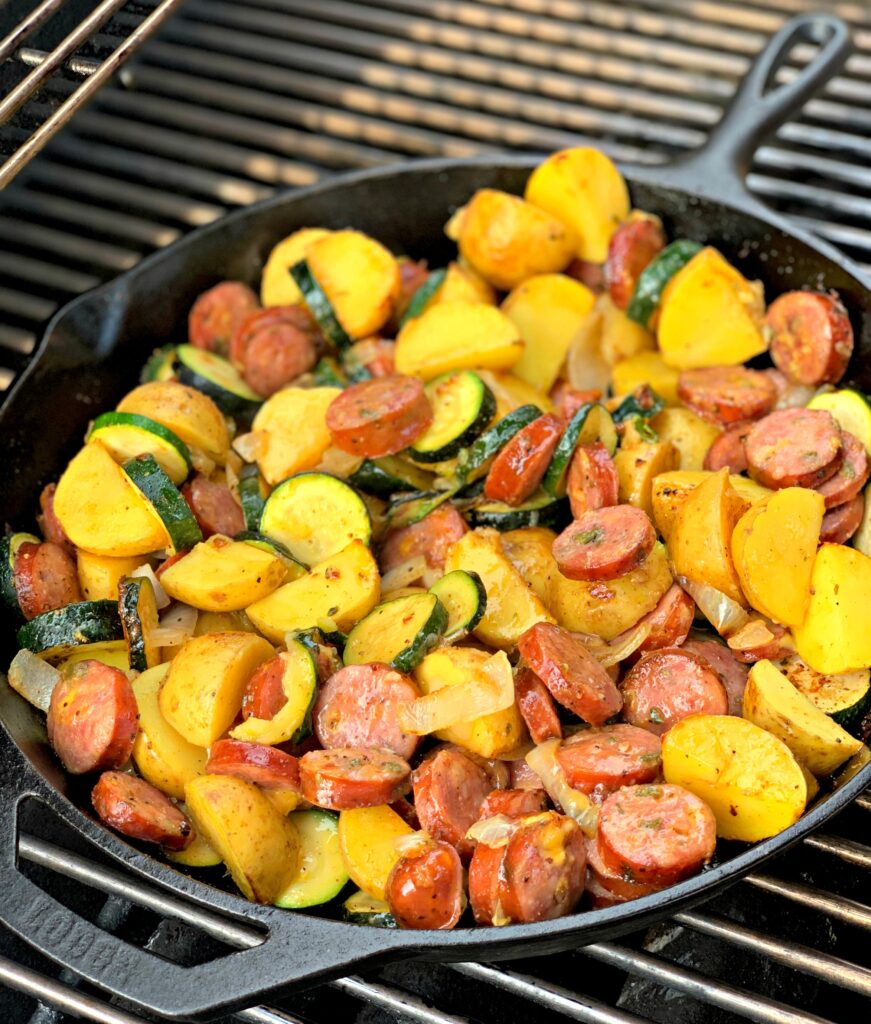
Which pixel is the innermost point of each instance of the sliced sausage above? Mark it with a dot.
(519, 468)
(213, 506)
(449, 789)
(92, 718)
(377, 356)
(670, 621)
(727, 450)
(412, 274)
(264, 694)
(139, 810)
(49, 523)
(270, 322)
(842, 521)
(538, 875)
(277, 346)
(45, 578)
(667, 686)
(431, 537)
(522, 776)
(359, 707)
(852, 475)
(407, 811)
(348, 777)
(513, 803)
(727, 394)
(573, 676)
(425, 887)
(605, 543)
(633, 245)
(732, 674)
(794, 448)
(811, 337)
(592, 482)
(536, 706)
(379, 416)
(218, 313)
(761, 640)
(567, 400)
(656, 834)
(254, 762)
(598, 761)
(588, 273)
(613, 883)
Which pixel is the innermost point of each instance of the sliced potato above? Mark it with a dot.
(99, 575)
(511, 392)
(291, 431)
(637, 468)
(222, 622)
(367, 838)
(690, 434)
(747, 776)
(645, 367)
(189, 413)
(772, 702)
(670, 491)
(530, 552)
(621, 337)
(298, 683)
(462, 283)
(277, 287)
(773, 548)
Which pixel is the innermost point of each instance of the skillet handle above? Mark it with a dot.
(718, 170)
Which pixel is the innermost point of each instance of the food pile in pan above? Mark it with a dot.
(506, 583)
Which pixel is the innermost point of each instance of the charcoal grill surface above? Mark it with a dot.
(239, 98)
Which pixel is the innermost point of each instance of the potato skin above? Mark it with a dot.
(367, 840)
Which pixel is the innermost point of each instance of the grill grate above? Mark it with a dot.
(234, 100)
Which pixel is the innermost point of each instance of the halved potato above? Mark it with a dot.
(291, 431)
(99, 575)
(367, 839)
(277, 287)
(690, 434)
(637, 468)
(189, 413)
(670, 491)
(645, 367)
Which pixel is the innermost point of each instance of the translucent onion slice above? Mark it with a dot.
(248, 446)
(495, 831)
(586, 367)
(33, 678)
(724, 614)
(201, 462)
(542, 760)
(795, 396)
(484, 694)
(758, 633)
(161, 597)
(177, 625)
(412, 843)
(339, 463)
(404, 574)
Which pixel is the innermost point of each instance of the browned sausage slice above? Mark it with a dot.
(727, 394)
(592, 482)
(254, 762)
(842, 521)
(375, 355)
(412, 274)
(598, 761)
(449, 789)
(264, 693)
(276, 348)
(359, 707)
(668, 685)
(727, 450)
(425, 887)
(431, 537)
(536, 706)
(633, 245)
(670, 621)
(45, 578)
(732, 674)
(520, 467)
(269, 322)
(513, 803)
(573, 676)
(522, 776)
(852, 475)
(614, 883)
(92, 718)
(139, 810)
(656, 834)
(218, 313)
(349, 777)
(379, 417)
(794, 448)
(213, 506)
(605, 543)
(49, 523)
(811, 337)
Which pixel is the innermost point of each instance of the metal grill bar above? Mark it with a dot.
(28, 25)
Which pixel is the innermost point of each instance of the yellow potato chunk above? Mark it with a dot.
(189, 413)
(645, 368)
(637, 468)
(462, 284)
(292, 431)
(529, 550)
(99, 575)
(747, 776)
(367, 839)
(690, 434)
(670, 491)
(277, 287)
(511, 392)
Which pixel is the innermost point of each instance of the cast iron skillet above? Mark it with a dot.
(90, 357)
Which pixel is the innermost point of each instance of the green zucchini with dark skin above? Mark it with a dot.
(389, 475)
(463, 407)
(542, 509)
(400, 632)
(166, 500)
(846, 698)
(408, 509)
(219, 379)
(274, 547)
(320, 306)
(9, 546)
(465, 598)
(328, 374)
(321, 875)
(127, 434)
(590, 423)
(491, 442)
(137, 609)
(159, 365)
(354, 370)
(361, 908)
(55, 635)
(251, 496)
(656, 275)
(644, 403)
(423, 294)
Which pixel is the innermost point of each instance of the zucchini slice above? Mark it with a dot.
(166, 500)
(399, 633)
(137, 610)
(328, 374)
(353, 368)
(9, 546)
(320, 306)
(55, 635)
(127, 434)
(361, 908)
(321, 875)
(389, 475)
(251, 496)
(463, 407)
(542, 509)
(845, 697)
(423, 294)
(408, 509)
(299, 683)
(295, 569)
(315, 515)
(219, 379)
(465, 599)
(656, 275)
(851, 409)
(592, 422)
(471, 460)
(160, 365)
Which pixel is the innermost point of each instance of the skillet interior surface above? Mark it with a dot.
(91, 356)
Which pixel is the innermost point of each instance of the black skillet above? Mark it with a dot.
(91, 355)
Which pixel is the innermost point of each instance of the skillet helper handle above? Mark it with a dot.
(718, 170)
